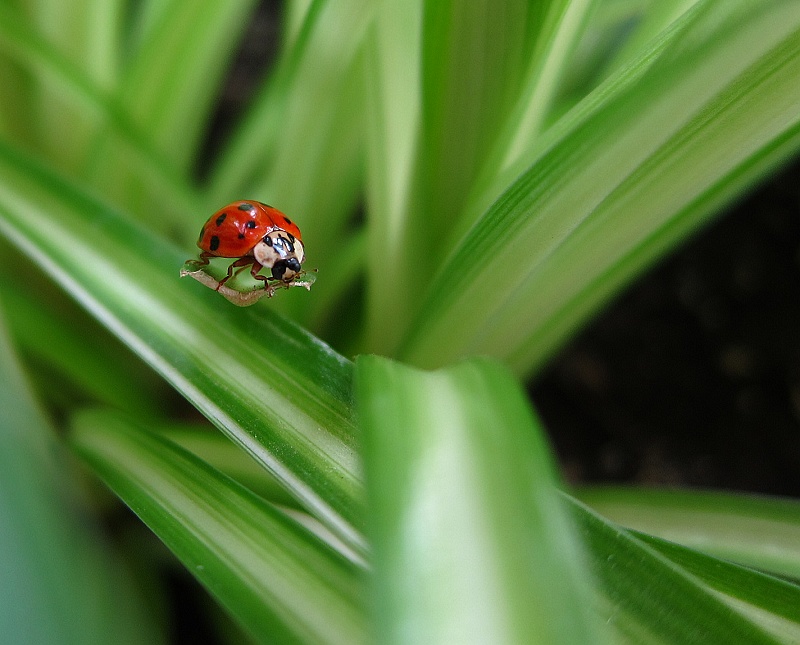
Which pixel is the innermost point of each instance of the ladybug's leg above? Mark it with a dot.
(205, 256)
(241, 262)
(254, 271)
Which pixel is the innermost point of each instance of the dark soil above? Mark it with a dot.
(692, 376)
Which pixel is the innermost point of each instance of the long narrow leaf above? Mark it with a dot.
(471, 542)
(757, 531)
(276, 391)
(280, 582)
(650, 165)
(169, 85)
(642, 586)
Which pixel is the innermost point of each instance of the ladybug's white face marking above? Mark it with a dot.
(282, 252)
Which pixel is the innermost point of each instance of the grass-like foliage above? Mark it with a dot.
(472, 178)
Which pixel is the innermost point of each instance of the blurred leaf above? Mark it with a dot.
(175, 73)
(280, 582)
(760, 532)
(629, 180)
(393, 97)
(72, 89)
(276, 391)
(449, 80)
(102, 369)
(59, 581)
(471, 543)
(223, 455)
(300, 145)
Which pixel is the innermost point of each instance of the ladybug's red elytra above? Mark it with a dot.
(257, 235)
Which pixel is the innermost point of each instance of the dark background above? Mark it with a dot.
(691, 376)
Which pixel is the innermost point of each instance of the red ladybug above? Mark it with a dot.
(256, 234)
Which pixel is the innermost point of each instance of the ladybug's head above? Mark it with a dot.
(281, 252)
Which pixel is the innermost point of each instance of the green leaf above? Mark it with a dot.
(169, 85)
(60, 583)
(471, 542)
(276, 391)
(457, 85)
(300, 146)
(619, 186)
(760, 532)
(74, 350)
(74, 91)
(280, 582)
(220, 453)
(651, 592)
(771, 602)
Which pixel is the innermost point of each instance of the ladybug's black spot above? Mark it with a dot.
(250, 224)
(213, 245)
(245, 207)
(287, 220)
(241, 236)
(221, 219)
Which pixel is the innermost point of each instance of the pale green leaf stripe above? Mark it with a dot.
(59, 581)
(393, 111)
(279, 581)
(244, 156)
(471, 542)
(169, 85)
(772, 602)
(76, 89)
(278, 392)
(760, 532)
(561, 27)
(647, 597)
(642, 171)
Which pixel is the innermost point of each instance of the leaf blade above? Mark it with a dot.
(280, 582)
(470, 540)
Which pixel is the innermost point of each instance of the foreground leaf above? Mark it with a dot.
(279, 581)
(471, 541)
(59, 582)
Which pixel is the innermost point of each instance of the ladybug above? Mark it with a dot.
(257, 235)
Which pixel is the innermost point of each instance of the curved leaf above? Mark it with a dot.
(279, 581)
(471, 541)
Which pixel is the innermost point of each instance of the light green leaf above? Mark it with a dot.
(276, 391)
(60, 583)
(74, 91)
(471, 542)
(760, 532)
(280, 582)
(300, 146)
(169, 85)
(634, 176)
